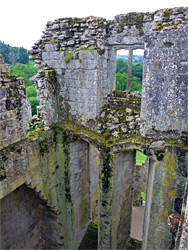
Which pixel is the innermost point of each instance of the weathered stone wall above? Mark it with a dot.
(122, 198)
(79, 185)
(77, 59)
(83, 54)
(47, 91)
(59, 172)
(165, 89)
(79, 86)
(167, 179)
(94, 185)
(36, 225)
(120, 117)
(14, 107)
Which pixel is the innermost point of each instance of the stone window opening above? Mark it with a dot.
(139, 196)
(129, 68)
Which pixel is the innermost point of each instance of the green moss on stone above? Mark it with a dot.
(166, 15)
(100, 51)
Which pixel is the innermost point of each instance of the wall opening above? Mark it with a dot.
(139, 195)
(129, 70)
(90, 239)
(27, 222)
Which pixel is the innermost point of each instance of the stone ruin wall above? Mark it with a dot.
(165, 89)
(75, 56)
(91, 44)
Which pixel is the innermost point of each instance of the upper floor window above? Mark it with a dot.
(129, 68)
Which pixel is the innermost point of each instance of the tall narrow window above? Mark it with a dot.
(139, 196)
(129, 70)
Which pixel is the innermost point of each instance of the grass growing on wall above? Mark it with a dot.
(140, 158)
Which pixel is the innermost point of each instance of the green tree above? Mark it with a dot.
(121, 81)
(27, 71)
(23, 55)
(121, 74)
(13, 55)
(31, 92)
(121, 66)
(136, 86)
(34, 103)
(24, 70)
(137, 70)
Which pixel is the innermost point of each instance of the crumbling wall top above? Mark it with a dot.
(96, 32)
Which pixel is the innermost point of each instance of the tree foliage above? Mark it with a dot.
(34, 103)
(121, 75)
(121, 66)
(13, 55)
(31, 91)
(27, 71)
(24, 70)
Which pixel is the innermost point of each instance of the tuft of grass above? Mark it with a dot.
(68, 55)
(140, 158)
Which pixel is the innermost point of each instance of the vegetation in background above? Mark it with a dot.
(140, 158)
(121, 74)
(27, 71)
(143, 195)
(136, 58)
(24, 70)
(13, 55)
(34, 103)
(31, 91)
(21, 66)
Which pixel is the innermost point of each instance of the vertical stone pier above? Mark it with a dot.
(73, 162)
(116, 179)
(129, 70)
(167, 178)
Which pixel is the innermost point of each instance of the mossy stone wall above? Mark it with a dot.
(165, 197)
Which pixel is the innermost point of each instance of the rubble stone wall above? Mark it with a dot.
(15, 110)
(83, 53)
